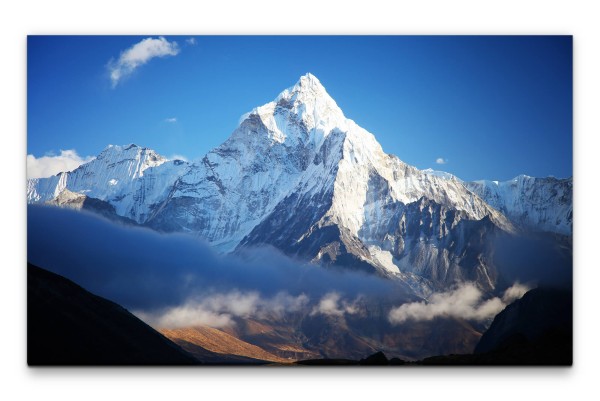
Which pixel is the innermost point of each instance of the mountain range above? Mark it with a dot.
(298, 175)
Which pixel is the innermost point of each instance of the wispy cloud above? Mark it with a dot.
(332, 305)
(171, 120)
(190, 41)
(465, 302)
(220, 309)
(441, 160)
(47, 166)
(138, 55)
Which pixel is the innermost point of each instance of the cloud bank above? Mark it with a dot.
(138, 55)
(47, 166)
(465, 302)
(176, 279)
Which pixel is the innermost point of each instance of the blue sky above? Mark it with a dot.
(490, 107)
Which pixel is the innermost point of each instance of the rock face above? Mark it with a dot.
(300, 176)
(81, 202)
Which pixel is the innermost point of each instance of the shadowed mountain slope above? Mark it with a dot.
(67, 325)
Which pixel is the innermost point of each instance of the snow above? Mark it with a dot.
(384, 258)
(299, 144)
(441, 174)
(540, 203)
(116, 175)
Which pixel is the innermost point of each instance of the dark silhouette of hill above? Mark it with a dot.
(534, 330)
(67, 325)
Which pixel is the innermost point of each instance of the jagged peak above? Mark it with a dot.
(121, 148)
(306, 102)
(115, 153)
(308, 82)
(307, 88)
(129, 148)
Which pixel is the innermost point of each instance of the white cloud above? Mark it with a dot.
(191, 41)
(465, 302)
(330, 305)
(138, 55)
(441, 160)
(220, 309)
(187, 315)
(515, 292)
(171, 120)
(47, 166)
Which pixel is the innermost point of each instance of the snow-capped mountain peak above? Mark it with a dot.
(139, 159)
(307, 89)
(302, 113)
(298, 175)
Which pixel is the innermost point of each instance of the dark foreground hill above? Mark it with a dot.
(67, 325)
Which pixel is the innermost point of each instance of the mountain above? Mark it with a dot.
(130, 178)
(298, 175)
(67, 325)
(539, 204)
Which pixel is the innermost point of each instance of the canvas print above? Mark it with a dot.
(299, 200)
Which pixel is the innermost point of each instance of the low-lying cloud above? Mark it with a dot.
(139, 54)
(219, 309)
(176, 279)
(47, 166)
(465, 302)
(332, 304)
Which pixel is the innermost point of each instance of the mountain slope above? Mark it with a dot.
(541, 204)
(224, 347)
(66, 325)
(133, 179)
(540, 313)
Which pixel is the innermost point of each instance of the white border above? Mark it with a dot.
(18, 19)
